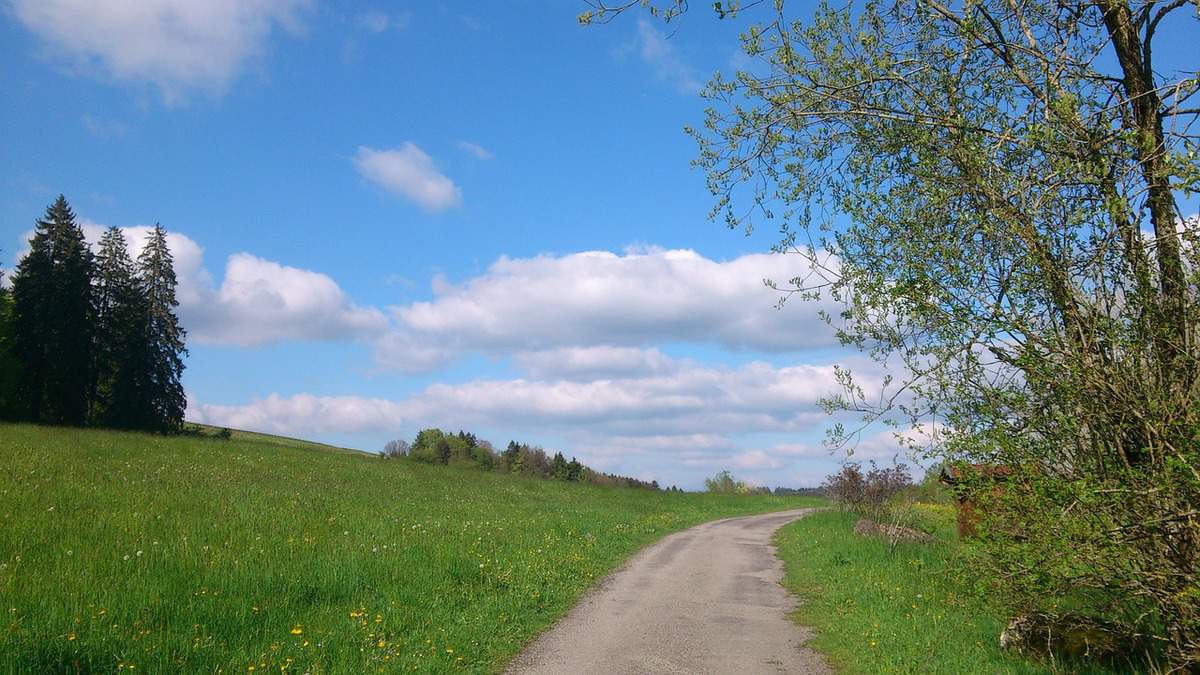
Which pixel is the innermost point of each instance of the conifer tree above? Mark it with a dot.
(164, 337)
(120, 356)
(53, 309)
(10, 366)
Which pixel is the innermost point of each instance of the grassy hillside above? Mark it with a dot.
(136, 552)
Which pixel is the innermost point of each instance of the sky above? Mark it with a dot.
(389, 216)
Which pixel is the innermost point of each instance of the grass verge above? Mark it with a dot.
(133, 552)
(907, 609)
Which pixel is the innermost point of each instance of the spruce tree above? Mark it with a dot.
(120, 356)
(10, 367)
(164, 337)
(53, 308)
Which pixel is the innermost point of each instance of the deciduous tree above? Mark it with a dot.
(992, 190)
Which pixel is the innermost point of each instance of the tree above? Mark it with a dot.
(991, 191)
(52, 317)
(574, 470)
(395, 448)
(512, 457)
(558, 467)
(426, 447)
(725, 483)
(164, 336)
(121, 364)
(11, 407)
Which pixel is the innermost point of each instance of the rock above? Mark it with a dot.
(1069, 635)
(893, 533)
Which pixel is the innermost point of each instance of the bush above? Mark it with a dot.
(724, 482)
(870, 494)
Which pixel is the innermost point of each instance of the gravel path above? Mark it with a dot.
(705, 600)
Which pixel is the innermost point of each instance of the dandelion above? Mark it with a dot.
(297, 630)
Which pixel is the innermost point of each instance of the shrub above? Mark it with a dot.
(724, 482)
(870, 494)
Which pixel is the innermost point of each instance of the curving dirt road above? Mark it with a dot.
(705, 600)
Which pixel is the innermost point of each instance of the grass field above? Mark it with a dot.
(910, 609)
(127, 552)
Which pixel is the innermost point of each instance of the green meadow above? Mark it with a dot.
(908, 608)
(131, 552)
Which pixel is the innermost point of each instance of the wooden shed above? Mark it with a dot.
(957, 476)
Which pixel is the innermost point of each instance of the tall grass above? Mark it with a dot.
(903, 608)
(129, 552)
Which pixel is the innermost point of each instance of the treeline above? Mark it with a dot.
(797, 492)
(91, 338)
(435, 446)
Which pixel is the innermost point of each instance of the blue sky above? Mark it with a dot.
(388, 216)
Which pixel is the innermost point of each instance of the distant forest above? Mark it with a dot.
(91, 339)
(434, 446)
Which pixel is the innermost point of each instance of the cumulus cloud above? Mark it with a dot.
(409, 172)
(302, 413)
(258, 301)
(658, 52)
(687, 421)
(192, 277)
(596, 299)
(475, 149)
(176, 45)
(691, 408)
(589, 363)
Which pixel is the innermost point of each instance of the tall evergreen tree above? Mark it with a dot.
(10, 367)
(164, 343)
(53, 308)
(120, 356)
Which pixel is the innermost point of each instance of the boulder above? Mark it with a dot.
(893, 533)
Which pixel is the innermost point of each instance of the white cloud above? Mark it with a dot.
(755, 459)
(598, 299)
(694, 408)
(258, 301)
(409, 172)
(301, 413)
(657, 51)
(475, 149)
(176, 45)
(588, 363)
(261, 302)
(688, 422)
(193, 279)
